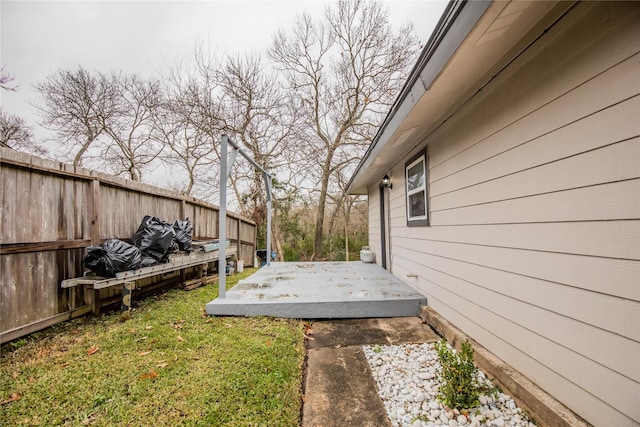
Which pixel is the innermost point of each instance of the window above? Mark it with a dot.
(416, 186)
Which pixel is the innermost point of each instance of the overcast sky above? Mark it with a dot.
(40, 37)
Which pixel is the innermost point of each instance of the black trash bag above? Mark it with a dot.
(155, 238)
(112, 257)
(148, 261)
(184, 231)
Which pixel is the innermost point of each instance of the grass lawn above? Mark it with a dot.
(169, 364)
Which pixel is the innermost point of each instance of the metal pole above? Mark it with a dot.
(225, 169)
(232, 160)
(267, 184)
(222, 221)
(246, 156)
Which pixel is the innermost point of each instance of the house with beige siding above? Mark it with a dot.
(511, 196)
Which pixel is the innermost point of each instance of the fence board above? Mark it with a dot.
(51, 212)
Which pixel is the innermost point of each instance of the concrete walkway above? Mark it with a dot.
(339, 388)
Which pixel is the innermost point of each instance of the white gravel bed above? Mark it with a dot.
(407, 383)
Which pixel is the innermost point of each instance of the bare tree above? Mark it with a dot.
(130, 124)
(344, 72)
(264, 122)
(180, 128)
(292, 224)
(193, 127)
(75, 105)
(341, 204)
(6, 79)
(14, 133)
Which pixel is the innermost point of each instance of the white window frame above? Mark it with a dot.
(422, 220)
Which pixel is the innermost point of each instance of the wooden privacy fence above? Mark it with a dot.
(52, 211)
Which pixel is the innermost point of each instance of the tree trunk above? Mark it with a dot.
(334, 214)
(77, 160)
(278, 241)
(346, 240)
(322, 202)
(277, 237)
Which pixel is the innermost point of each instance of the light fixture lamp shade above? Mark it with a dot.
(386, 182)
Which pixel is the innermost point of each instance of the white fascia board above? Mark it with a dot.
(457, 21)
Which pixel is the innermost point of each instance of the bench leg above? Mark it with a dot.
(91, 298)
(127, 293)
(72, 298)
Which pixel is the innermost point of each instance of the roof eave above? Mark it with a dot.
(457, 20)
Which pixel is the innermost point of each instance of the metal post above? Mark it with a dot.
(232, 159)
(225, 169)
(222, 221)
(267, 184)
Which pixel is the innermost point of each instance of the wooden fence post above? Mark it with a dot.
(91, 296)
(94, 215)
(183, 210)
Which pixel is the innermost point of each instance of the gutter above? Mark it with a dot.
(451, 30)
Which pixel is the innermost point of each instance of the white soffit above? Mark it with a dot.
(505, 29)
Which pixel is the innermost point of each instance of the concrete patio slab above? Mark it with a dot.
(320, 290)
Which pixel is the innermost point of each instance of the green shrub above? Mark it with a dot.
(459, 384)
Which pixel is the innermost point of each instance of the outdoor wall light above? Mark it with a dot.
(386, 182)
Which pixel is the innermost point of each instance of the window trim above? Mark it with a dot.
(423, 220)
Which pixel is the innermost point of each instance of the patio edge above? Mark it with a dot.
(541, 407)
(405, 307)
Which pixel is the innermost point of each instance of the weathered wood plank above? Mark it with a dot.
(81, 215)
(199, 282)
(10, 335)
(9, 303)
(67, 214)
(27, 287)
(95, 233)
(21, 221)
(39, 227)
(19, 160)
(47, 293)
(16, 248)
(16, 160)
(183, 209)
(45, 232)
(8, 191)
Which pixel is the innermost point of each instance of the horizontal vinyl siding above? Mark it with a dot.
(374, 224)
(534, 244)
(611, 163)
(549, 303)
(575, 75)
(599, 202)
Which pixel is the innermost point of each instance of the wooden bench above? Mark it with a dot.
(92, 283)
